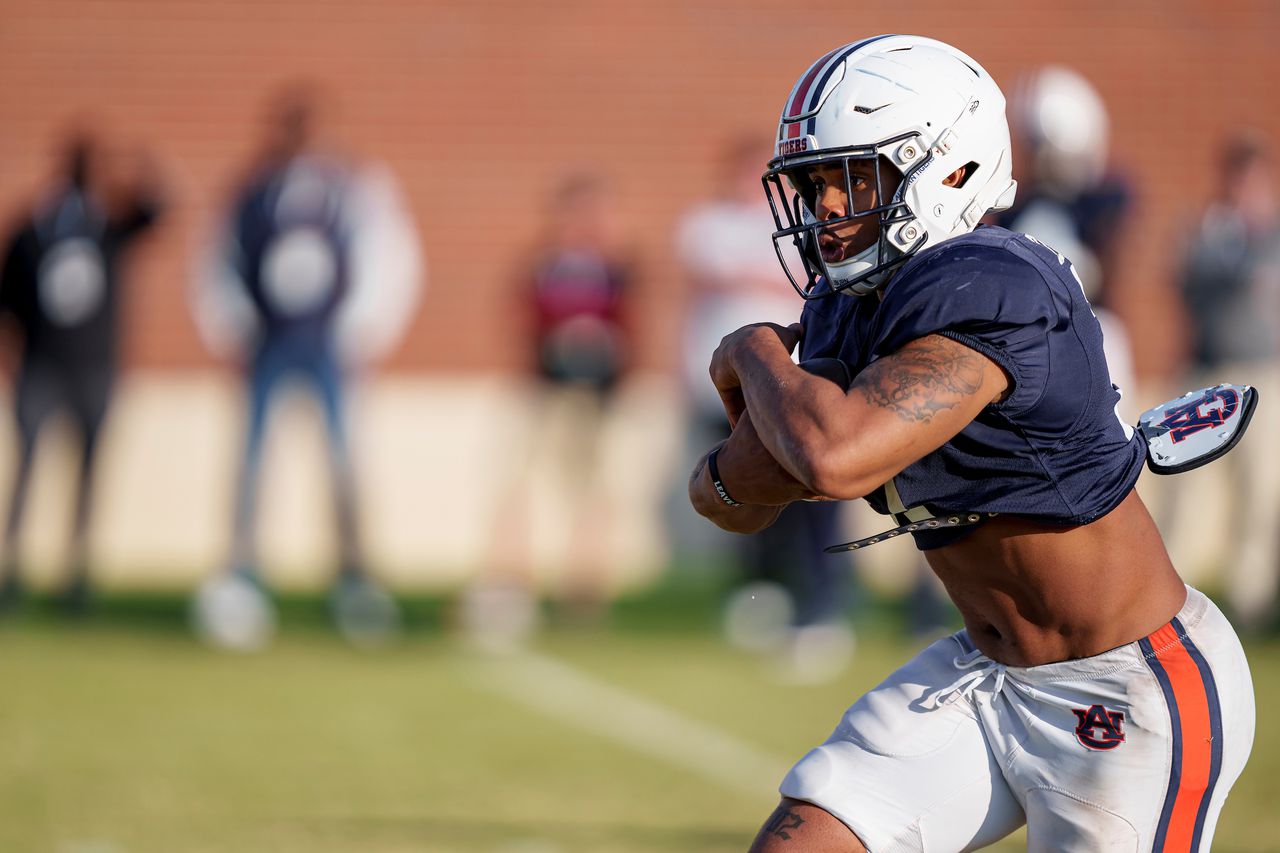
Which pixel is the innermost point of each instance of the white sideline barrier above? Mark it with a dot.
(435, 456)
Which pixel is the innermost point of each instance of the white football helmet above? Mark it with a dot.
(1063, 120)
(907, 103)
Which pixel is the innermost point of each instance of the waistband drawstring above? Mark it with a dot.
(964, 686)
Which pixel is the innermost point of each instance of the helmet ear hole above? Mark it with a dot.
(968, 170)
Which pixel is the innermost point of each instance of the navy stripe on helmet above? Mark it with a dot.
(820, 85)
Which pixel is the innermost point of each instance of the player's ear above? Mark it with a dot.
(955, 178)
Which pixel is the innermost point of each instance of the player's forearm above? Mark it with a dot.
(791, 412)
(707, 502)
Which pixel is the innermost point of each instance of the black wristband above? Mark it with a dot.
(715, 479)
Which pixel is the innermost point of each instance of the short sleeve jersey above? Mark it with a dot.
(1054, 450)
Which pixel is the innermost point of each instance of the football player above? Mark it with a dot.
(1092, 695)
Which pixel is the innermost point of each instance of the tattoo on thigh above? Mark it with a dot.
(925, 377)
(783, 819)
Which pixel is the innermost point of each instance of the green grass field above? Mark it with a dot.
(123, 734)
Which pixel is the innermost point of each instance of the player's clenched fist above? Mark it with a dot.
(724, 372)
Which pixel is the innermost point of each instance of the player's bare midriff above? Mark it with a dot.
(1032, 594)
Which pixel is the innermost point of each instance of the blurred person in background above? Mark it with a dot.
(791, 599)
(314, 275)
(62, 281)
(1230, 284)
(1068, 196)
(575, 288)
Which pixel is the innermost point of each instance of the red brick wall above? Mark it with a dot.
(480, 105)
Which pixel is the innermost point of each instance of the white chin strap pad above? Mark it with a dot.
(846, 270)
(868, 259)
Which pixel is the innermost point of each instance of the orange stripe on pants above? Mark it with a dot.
(1197, 735)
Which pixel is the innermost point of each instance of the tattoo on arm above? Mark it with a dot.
(783, 819)
(928, 376)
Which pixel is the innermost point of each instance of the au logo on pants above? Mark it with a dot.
(1098, 728)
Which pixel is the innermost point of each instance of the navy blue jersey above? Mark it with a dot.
(1094, 219)
(1054, 450)
(293, 246)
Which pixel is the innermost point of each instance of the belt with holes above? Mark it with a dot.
(963, 519)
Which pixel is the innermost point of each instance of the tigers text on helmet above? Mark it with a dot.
(896, 115)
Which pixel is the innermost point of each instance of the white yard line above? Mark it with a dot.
(576, 698)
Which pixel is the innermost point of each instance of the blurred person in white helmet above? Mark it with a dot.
(953, 376)
(1069, 195)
